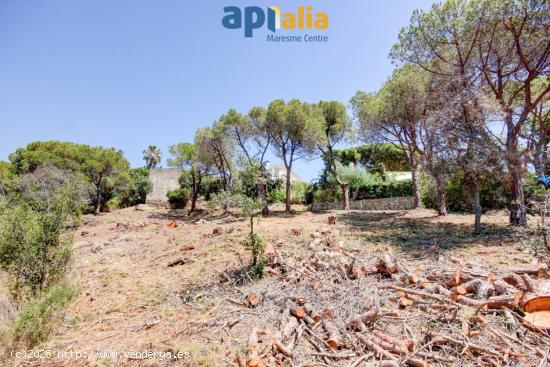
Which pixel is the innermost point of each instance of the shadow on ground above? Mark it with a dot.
(420, 233)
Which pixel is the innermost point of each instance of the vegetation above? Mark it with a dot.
(36, 216)
(178, 198)
(38, 317)
(337, 127)
(139, 186)
(152, 156)
(476, 53)
(294, 129)
(35, 248)
(105, 169)
(197, 166)
(371, 155)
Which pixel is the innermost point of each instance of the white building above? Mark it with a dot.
(279, 171)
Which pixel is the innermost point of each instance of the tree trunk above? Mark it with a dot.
(518, 213)
(263, 197)
(97, 206)
(345, 192)
(477, 208)
(441, 197)
(414, 181)
(287, 186)
(196, 183)
(194, 197)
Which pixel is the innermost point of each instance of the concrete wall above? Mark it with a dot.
(398, 203)
(163, 180)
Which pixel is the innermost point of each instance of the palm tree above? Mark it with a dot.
(151, 156)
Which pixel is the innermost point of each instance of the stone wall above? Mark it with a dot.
(164, 180)
(398, 203)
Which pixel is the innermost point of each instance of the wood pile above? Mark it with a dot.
(334, 307)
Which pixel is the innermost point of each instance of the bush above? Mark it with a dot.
(256, 245)
(178, 198)
(494, 194)
(276, 196)
(35, 247)
(299, 192)
(384, 189)
(140, 185)
(37, 317)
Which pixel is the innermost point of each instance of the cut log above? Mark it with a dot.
(387, 264)
(358, 322)
(484, 290)
(404, 345)
(529, 284)
(176, 263)
(253, 358)
(252, 300)
(281, 348)
(443, 339)
(382, 363)
(253, 362)
(536, 270)
(376, 348)
(334, 339)
(517, 281)
(298, 312)
(240, 360)
(290, 326)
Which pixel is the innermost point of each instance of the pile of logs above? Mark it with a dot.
(444, 314)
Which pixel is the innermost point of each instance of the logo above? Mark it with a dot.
(255, 18)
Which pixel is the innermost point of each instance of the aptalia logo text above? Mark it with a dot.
(254, 17)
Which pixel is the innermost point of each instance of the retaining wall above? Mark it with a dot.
(397, 203)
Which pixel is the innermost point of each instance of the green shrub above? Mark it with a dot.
(178, 198)
(140, 185)
(38, 317)
(35, 246)
(494, 194)
(299, 192)
(277, 196)
(384, 189)
(256, 245)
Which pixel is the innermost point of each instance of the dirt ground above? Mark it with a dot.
(145, 286)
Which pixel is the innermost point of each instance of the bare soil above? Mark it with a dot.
(147, 285)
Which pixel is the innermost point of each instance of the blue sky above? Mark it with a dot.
(130, 73)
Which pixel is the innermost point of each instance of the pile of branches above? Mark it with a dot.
(332, 307)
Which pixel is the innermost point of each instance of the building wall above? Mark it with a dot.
(164, 180)
(397, 203)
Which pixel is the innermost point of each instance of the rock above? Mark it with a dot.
(217, 230)
(200, 221)
(84, 233)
